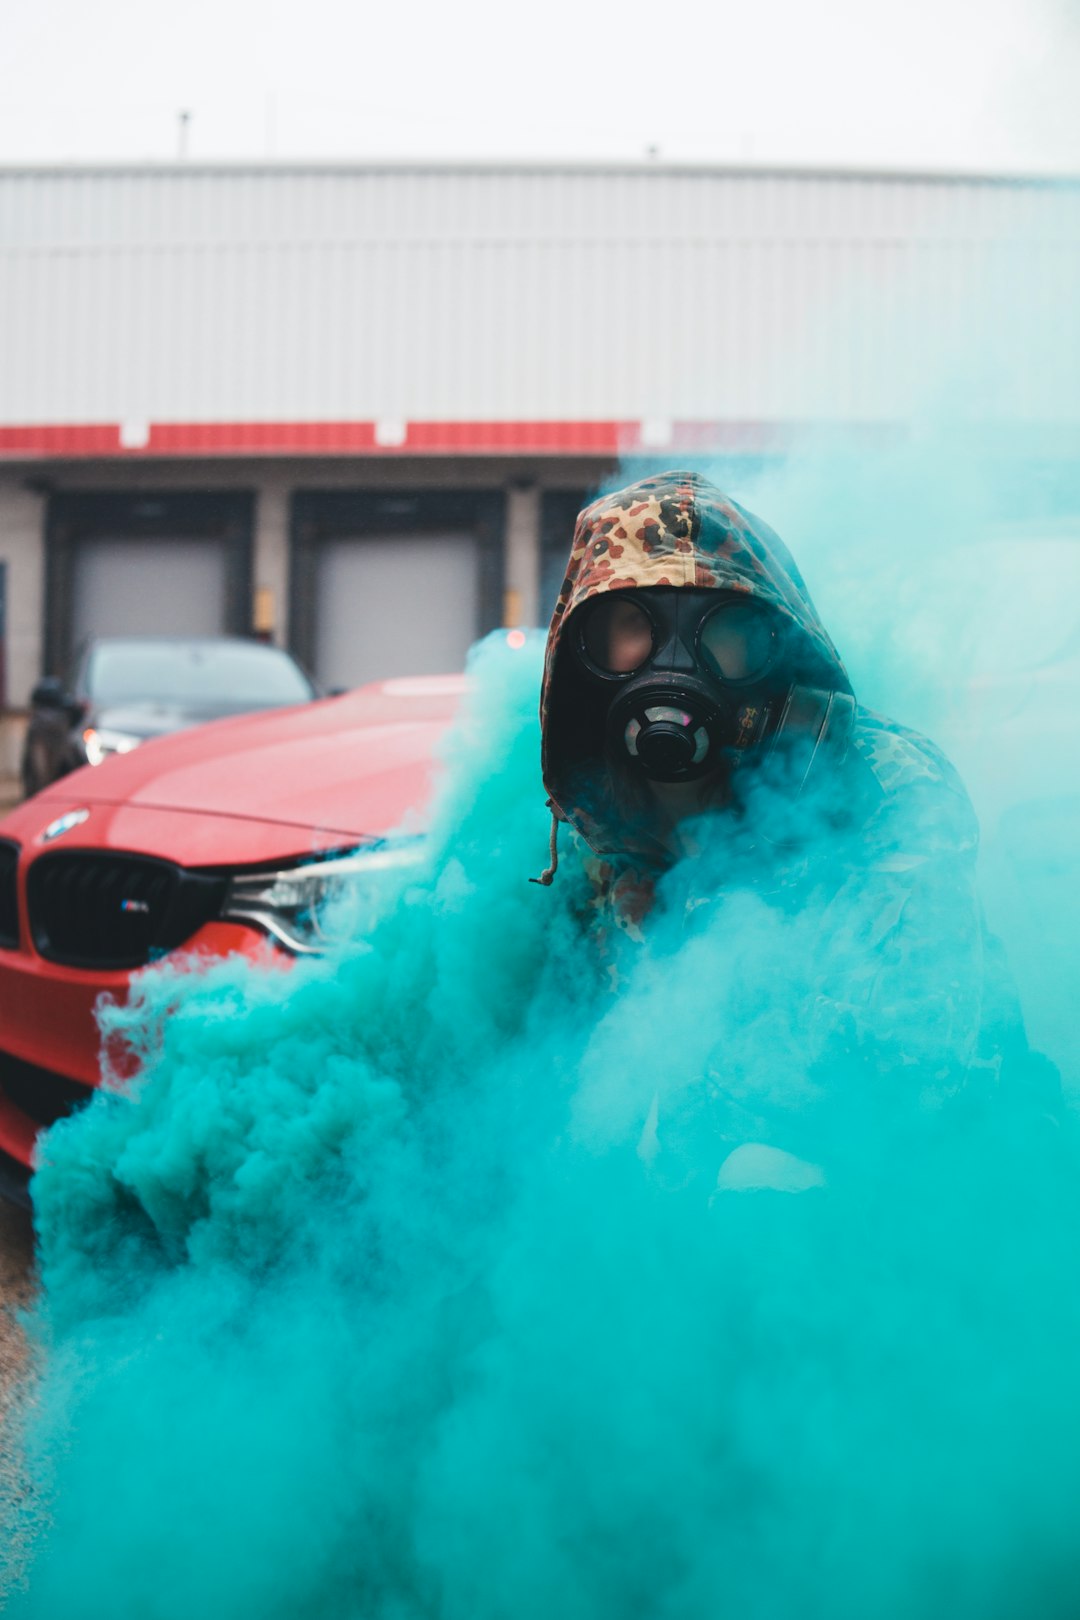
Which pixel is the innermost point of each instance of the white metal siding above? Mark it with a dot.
(256, 294)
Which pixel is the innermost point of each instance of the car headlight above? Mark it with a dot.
(323, 903)
(100, 743)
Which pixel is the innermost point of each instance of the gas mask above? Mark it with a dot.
(697, 680)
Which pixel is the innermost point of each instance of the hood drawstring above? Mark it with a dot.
(547, 877)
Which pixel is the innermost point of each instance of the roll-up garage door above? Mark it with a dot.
(398, 604)
(138, 585)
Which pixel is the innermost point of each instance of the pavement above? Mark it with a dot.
(17, 1285)
(16, 1235)
(18, 1504)
(16, 1289)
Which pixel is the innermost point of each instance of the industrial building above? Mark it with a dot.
(285, 399)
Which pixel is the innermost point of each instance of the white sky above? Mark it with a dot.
(975, 84)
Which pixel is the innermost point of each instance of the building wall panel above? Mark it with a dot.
(177, 294)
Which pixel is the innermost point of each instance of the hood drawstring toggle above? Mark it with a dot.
(547, 876)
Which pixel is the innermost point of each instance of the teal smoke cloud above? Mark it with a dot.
(452, 1278)
(412, 1283)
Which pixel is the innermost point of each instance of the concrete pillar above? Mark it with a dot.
(271, 559)
(522, 554)
(22, 549)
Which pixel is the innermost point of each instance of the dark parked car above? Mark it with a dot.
(127, 689)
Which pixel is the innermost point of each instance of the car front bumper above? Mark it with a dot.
(50, 1044)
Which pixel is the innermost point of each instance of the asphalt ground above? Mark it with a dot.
(16, 1237)
(17, 1282)
(16, 1292)
(17, 1289)
(17, 1286)
(16, 1245)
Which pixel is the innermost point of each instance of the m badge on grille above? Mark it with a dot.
(135, 905)
(63, 824)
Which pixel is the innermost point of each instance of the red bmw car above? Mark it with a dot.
(216, 840)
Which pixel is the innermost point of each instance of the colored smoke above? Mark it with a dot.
(408, 1284)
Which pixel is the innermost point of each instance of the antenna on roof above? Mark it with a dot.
(183, 126)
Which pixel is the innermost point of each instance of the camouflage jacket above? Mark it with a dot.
(902, 941)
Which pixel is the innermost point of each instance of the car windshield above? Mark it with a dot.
(193, 672)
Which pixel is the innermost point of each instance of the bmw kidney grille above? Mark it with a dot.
(100, 909)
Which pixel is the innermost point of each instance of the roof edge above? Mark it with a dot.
(653, 167)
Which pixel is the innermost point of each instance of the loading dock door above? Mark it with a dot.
(138, 585)
(400, 604)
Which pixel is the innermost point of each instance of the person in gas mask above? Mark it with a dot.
(687, 674)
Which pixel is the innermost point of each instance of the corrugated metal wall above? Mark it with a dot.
(426, 293)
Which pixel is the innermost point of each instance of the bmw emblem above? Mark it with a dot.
(63, 824)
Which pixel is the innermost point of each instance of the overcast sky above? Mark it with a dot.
(973, 84)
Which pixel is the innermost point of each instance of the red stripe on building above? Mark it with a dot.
(96, 439)
(585, 438)
(390, 438)
(260, 438)
(520, 438)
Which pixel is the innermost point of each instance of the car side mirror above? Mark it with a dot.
(49, 694)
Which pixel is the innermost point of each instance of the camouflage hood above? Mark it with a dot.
(677, 529)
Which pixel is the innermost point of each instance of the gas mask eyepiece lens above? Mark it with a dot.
(617, 635)
(738, 641)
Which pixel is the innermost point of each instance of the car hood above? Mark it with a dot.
(145, 720)
(359, 765)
